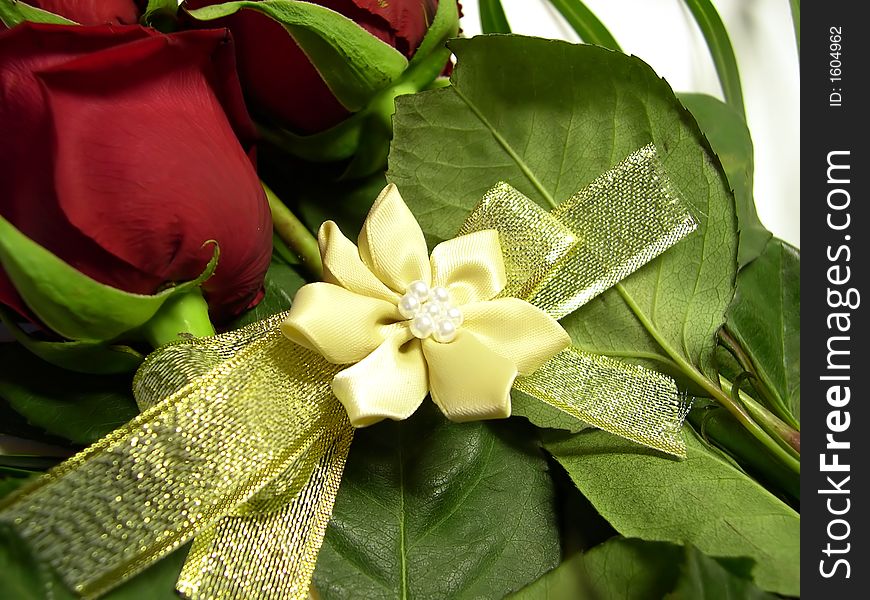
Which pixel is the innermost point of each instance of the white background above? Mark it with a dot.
(664, 34)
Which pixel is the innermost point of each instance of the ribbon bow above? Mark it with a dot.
(242, 441)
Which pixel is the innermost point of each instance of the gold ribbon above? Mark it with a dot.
(241, 443)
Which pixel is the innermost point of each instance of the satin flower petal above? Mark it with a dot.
(470, 266)
(342, 326)
(517, 330)
(392, 245)
(390, 383)
(343, 266)
(467, 380)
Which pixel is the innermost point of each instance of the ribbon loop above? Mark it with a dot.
(562, 259)
(633, 402)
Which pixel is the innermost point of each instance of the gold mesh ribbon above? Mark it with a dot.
(560, 260)
(241, 445)
(247, 457)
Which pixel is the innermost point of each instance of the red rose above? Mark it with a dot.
(121, 154)
(92, 12)
(279, 81)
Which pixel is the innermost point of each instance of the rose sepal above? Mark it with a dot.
(97, 358)
(14, 13)
(353, 63)
(364, 136)
(72, 304)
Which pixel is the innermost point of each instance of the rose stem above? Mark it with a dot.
(184, 314)
(789, 438)
(290, 229)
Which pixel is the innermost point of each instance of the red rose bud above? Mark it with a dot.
(124, 152)
(279, 80)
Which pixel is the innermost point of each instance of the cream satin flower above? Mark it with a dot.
(410, 324)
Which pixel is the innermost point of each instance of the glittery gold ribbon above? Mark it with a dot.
(561, 259)
(241, 444)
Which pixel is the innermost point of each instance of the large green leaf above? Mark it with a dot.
(633, 569)
(568, 580)
(731, 141)
(81, 408)
(353, 63)
(433, 509)
(704, 578)
(703, 500)
(765, 320)
(574, 113)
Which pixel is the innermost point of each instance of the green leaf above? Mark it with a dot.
(13, 12)
(703, 500)
(433, 509)
(765, 320)
(12, 479)
(282, 282)
(541, 414)
(353, 63)
(84, 357)
(81, 408)
(492, 17)
(23, 577)
(719, 43)
(729, 136)
(71, 303)
(590, 29)
(576, 112)
(568, 580)
(704, 578)
(632, 569)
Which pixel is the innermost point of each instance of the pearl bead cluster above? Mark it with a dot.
(431, 312)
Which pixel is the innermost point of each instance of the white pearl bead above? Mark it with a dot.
(455, 315)
(419, 290)
(445, 331)
(433, 309)
(439, 294)
(409, 306)
(422, 326)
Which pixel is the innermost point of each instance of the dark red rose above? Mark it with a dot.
(279, 81)
(93, 12)
(125, 150)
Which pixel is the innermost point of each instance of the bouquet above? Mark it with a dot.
(323, 299)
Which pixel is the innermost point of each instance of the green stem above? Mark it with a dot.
(590, 29)
(780, 431)
(712, 390)
(774, 403)
(294, 233)
(492, 17)
(721, 50)
(718, 426)
(796, 20)
(184, 314)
